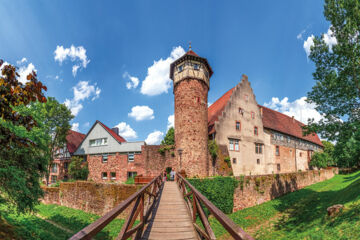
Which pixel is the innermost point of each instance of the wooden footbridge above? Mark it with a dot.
(165, 210)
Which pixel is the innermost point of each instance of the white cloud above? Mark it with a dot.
(328, 38)
(308, 44)
(300, 35)
(134, 81)
(154, 137)
(299, 108)
(24, 71)
(75, 126)
(74, 69)
(82, 91)
(75, 54)
(126, 131)
(23, 60)
(141, 113)
(171, 120)
(157, 80)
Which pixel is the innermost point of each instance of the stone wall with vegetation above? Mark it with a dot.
(254, 190)
(97, 198)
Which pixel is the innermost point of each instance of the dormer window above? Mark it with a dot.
(180, 68)
(196, 66)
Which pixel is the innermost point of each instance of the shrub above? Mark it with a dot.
(78, 169)
(219, 191)
(321, 160)
(130, 180)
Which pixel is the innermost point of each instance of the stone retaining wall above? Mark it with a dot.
(97, 198)
(254, 190)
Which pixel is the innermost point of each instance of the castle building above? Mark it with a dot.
(191, 75)
(260, 140)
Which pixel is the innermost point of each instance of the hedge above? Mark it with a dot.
(219, 190)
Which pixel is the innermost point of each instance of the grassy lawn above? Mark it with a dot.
(303, 215)
(27, 226)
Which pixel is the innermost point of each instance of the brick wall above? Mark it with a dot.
(155, 162)
(97, 198)
(191, 131)
(254, 190)
(117, 163)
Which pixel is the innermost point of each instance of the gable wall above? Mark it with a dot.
(246, 158)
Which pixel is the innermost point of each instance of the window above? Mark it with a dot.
(98, 142)
(258, 148)
(104, 175)
(234, 160)
(278, 166)
(234, 144)
(131, 157)
(113, 175)
(241, 111)
(131, 174)
(238, 126)
(258, 161)
(53, 179)
(256, 131)
(104, 158)
(301, 154)
(180, 68)
(66, 166)
(246, 97)
(252, 115)
(54, 168)
(277, 151)
(196, 66)
(288, 139)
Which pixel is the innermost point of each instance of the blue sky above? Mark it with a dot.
(116, 41)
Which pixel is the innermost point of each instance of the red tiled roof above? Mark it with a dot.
(191, 52)
(218, 106)
(271, 119)
(112, 133)
(282, 123)
(73, 140)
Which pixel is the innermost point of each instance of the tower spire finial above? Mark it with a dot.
(189, 45)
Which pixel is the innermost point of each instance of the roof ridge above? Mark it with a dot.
(282, 114)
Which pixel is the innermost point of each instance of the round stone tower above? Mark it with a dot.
(190, 74)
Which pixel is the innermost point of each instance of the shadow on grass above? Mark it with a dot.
(75, 224)
(307, 208)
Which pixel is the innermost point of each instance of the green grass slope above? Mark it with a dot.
(29, 226)
(303, 215)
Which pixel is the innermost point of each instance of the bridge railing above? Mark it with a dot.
(152, 189)
(194, 201)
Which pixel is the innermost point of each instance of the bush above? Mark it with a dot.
(130, 180)
(219, 191)
(78, 169)
(321, 160)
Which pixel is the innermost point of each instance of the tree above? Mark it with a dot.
(78, 169)
(56, 119)
(324, 159)
(336, 93)
(169, 138)
(21, 141)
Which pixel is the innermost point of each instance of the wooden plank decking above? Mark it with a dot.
(170, 219)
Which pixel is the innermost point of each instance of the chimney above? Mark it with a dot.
(115, 130)
(293, 119)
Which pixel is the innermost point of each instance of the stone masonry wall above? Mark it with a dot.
(191, 132)
(97, 198)
(254, 190)
(156, 162)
